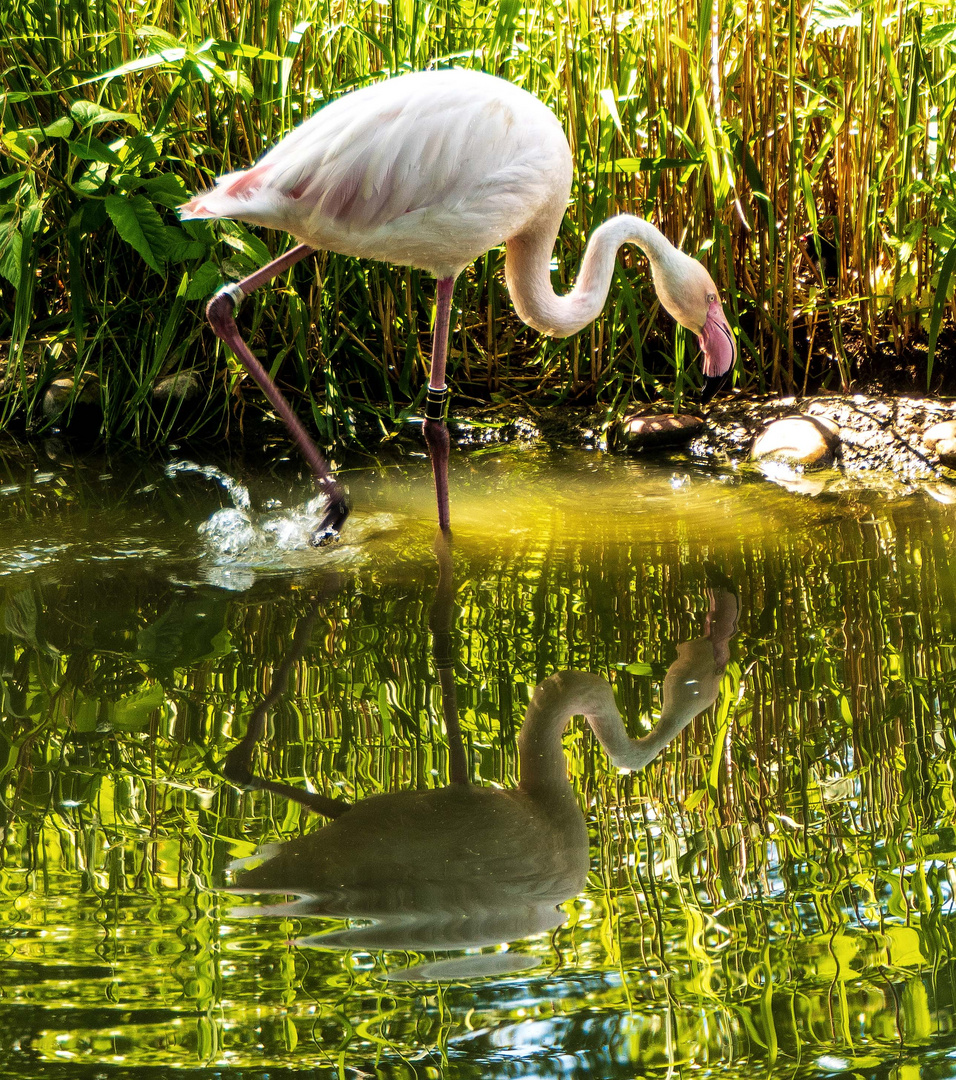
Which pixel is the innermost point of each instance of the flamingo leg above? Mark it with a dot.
(220, 312)
(441, 623)
(435, 428)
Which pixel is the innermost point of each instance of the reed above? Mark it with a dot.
(755, 134)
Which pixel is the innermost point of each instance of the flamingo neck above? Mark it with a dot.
(528, 271)
(690, 686)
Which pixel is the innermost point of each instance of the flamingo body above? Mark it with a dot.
(428, 170)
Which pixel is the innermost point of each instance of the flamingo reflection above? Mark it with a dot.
(463, 866)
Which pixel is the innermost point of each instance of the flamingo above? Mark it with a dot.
(430, 170)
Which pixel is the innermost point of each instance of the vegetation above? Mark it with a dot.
(756, 133)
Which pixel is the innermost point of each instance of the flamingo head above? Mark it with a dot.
(689, 294)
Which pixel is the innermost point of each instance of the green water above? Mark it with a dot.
(772, 895)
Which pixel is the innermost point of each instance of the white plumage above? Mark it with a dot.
(429, 170)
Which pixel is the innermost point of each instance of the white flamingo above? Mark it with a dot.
(431, 170)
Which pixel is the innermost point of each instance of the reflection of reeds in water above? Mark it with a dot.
(788, 861)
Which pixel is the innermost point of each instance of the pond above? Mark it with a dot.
(270, 811)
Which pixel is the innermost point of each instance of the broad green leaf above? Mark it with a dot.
(906, 286)
(942, 34)
(141, 150)
(27, 139)
(166, 189)
(139, 224)
(179, 247)
(93, 150)
(91, 181)
(204, 281)
(87, 113)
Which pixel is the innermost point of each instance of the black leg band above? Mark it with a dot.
(435, 403)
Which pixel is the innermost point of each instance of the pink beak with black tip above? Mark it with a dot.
(717, 342)
(719, 349)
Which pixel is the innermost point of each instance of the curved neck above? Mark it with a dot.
(528, 271)
(690, 686)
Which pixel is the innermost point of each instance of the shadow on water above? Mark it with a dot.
(463, 867)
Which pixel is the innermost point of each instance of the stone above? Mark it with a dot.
(71, 408)
(182, 387)
(637, 433)
(945, 431)
(797, 440)
(946, 451)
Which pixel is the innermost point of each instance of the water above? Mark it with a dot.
(186, 690)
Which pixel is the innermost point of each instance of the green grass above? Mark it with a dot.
(836, 119)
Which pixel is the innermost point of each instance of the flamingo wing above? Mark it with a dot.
(439, 139)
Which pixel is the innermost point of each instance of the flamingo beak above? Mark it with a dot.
(717, 343)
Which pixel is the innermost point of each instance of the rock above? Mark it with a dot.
(178, 402)
(71, 408)
(939, 433)
(181, 387)
(809, 441)
(652, 432)
(831, 426)
(946, 450)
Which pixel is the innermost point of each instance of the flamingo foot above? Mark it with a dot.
(331, 525)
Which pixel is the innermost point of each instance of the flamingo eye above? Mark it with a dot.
(711, 297)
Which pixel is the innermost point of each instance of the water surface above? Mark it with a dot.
(772, 892)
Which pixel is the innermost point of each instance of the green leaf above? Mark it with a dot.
(142, 63)
(13, 178)
(249, 52)
(88, 113)
(179, 247)
(11, 246)
(648, 164)
(204, 281)
(166, 189)
(906, 286)
(140, 151)
(92, 179)
(93, 150)
(59, 129)
(140, 225)
(25, 139)
(940, 35)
